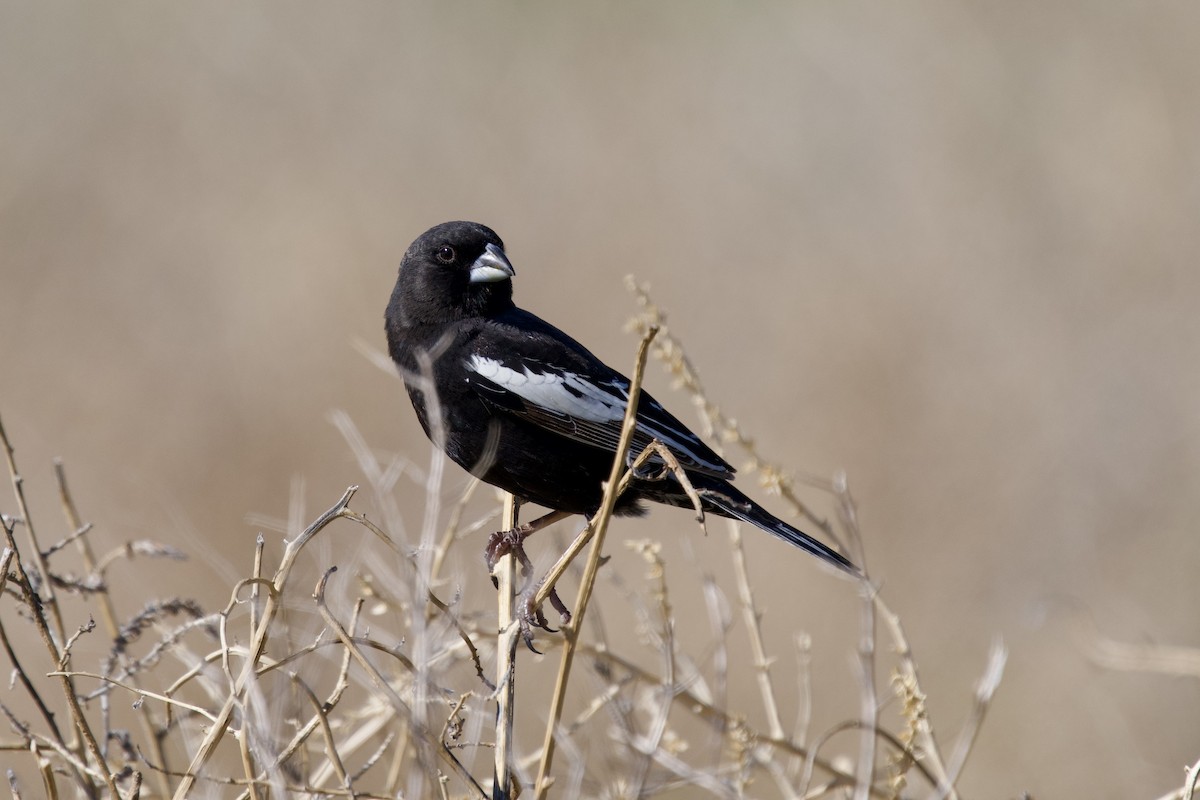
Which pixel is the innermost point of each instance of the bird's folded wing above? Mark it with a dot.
(587, 409)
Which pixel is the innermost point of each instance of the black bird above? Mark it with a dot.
(523, 406)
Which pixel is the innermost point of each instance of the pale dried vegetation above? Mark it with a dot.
(287, 691)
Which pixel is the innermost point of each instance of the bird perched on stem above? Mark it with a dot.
(523, 406)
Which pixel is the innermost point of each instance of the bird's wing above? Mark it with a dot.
(586, 407)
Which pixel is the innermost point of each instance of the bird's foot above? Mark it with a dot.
(512, 542)
(509, 542)
(530, 616)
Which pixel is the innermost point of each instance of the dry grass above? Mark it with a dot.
(287, 691)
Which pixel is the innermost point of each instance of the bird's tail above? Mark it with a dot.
(719, 497)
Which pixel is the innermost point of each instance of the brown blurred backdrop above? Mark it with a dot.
(947, 247)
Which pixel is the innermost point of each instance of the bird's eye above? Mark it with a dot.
(445, 254)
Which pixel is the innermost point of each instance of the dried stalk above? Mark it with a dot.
(509, 632)
(571, 630)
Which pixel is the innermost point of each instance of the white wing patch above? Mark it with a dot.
(563, 392)
(592, 412)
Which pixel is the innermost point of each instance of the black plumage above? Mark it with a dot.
(525, 407)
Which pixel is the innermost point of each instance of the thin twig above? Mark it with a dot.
(49, 601)
(423, 735)
(18, 670)
(321, 714)
(306, 730)
(753, 619)
(195, 709)
(37, 606)
(716, 423)
(108, 611)
(649, 744)
(258, 644)
(509, 631)
(1190, 782)
(452, 530)
(707, 711)
(655, 449)
(984, 690)
(758, 650)
(436, 601)
(868, 697)
(571, 630)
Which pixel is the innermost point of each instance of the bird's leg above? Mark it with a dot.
(531, 616)
(532, 613)
(512, 541)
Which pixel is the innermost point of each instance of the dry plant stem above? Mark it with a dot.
(1127, 657)
(37, 606)
(424, 736)
(57, 742)
(927, 743)
(384, 747)
(931, 753)
(762, 662)
(571, 630)
(655, 448)
(36, 742)
(49, 601)
(256, 586)
(572, 552)
(258, 644)
(322, 717)
(868, 697)
(108, 613)
(195, 709)
(847, 779)
(984, 691)
(709, 712)
(753, 618)
(649, 743)
(1189, 784)
(869, 700)
(509, 631)
(452, 529)
(670, 351)
(248, 765)
(271, 608)
(720, 622)
(47, 770)
(1161, 658)
(803, 643)
(396, 769)
(19, 671)
(255, 593)
(343, 683)
(437, 602)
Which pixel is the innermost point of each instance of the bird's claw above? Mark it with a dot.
(529, 618)
(529, 614)
(503, 543)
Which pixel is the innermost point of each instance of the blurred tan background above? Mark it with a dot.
(947, 247)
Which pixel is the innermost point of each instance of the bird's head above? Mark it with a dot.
(455, 270)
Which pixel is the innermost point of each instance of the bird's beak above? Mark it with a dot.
(492, 266)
